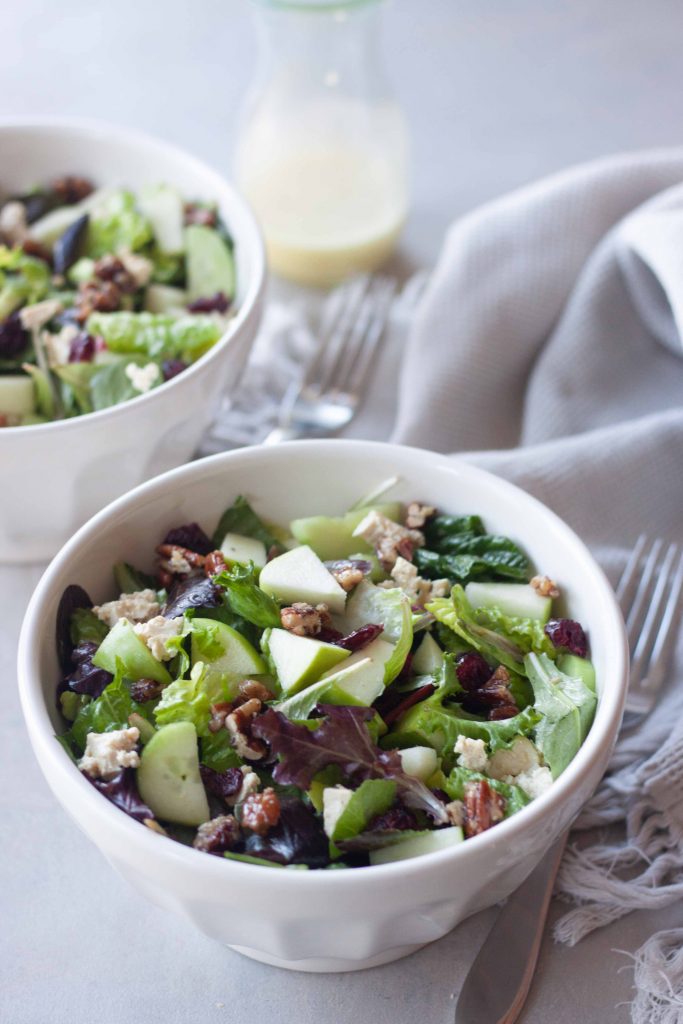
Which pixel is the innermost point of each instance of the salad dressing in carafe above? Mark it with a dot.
(323, 149)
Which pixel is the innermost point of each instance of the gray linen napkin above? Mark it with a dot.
(551, 335)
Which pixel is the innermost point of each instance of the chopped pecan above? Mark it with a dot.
(217, 835)
(197, 214)
(238, 724)
(37, 249)
(250, 689)
(417, 515)
(484, 807)
(97, 297)
(219, 712)
(179, 561)
(389, 539)
(214, 563)
(261, 811)
(544, 586)
(494, 693)
(347, 575)
(305, 620)
(71, 188)
(145, 689)
(110, 268)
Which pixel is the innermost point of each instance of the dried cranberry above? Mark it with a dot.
(395, 818)
(360, 638)
(218, 303)
(328, 635)
(190, 536)
(502, 712)
(222, 784)
(170, 368)
(82, 348)
(472, 671)
(13, 337)
(567, 635)
(409, 700)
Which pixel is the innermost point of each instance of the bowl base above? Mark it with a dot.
(328, 964)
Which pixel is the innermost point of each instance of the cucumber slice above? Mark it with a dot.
(331, 537)
(517, 599)
(162, 205)
(420, 762)
(122, 644)
(430, 842)
(210, 264)
(17, 396)
(168, 777)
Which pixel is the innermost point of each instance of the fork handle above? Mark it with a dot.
(280, 434)
(499, 980)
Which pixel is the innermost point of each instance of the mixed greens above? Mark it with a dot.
(104, 295)
(351, 690)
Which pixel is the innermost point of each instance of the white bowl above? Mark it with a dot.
(321, 920)
(56, 475)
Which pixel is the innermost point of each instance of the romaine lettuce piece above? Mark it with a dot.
(373, 797)
(156, 335)
(457, 613)
(107, 712)
(566, 706)
(85, 627)
(116, 224)
(23, 279)
(190, 700)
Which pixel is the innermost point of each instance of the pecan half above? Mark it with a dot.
(97, 297)
(71, 188)
(347, 575)
(214, 563)
(261, 811)
(483, 807)
(110, 268)
(305, 620)
(217, 835)
(178, 561)
(145, 689)
(544, 586)
(417, 515)
(238, 724)
(250, 689)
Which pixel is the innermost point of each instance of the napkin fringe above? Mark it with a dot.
(658, 979)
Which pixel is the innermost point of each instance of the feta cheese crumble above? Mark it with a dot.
(335, 799)
(107, 753)
(139, 606)
(156, 632)
(142, 377)
(58, 346)
(417, 589)
(472, 754)
(521, 766)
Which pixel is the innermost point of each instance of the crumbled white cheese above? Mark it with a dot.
(142, 377)
(139, 267)
(440, 588)
(472, 754)
(37, 315)
(534, 782)
(177, 563)
(250, 784)
(335, 799)
(140, 606)
(155, 632)
(522, 756)
(419, 590)
(386, 537)
(13, 223)
(106, 753)
(456, 812)
(58, 346)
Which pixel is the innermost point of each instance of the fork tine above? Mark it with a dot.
(370, 342)
(366, 330)
(630, 575)
(336, 371)
(333, 341)
(641, 600)
(667, 633)
(651, 626)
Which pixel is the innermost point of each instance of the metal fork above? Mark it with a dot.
(328, 396)
(649, 593)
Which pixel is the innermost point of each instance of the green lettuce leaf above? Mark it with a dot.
(527, 634)
(190, 700)
(566, 707)
(23, 280)
(457, 613)
(245, 597)
(373, 797)
(389, 608)
(458, 548)
(454, 785)
(217, 752)
(108, 712)
(241, 518)
(156, 335)
(85, 627)
(117, 224)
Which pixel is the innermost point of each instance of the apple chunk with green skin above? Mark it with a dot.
(298, 660)
(168, 777)
(238, 548)
(517, 599)
(225, 652)
(415, 846)
(377, 654)
(299, 575)
(124, 645)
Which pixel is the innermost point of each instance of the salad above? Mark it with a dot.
(348, 691)
(104, 295)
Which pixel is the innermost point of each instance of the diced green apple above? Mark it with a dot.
(17, 396)
(362, 679)
(430, 842)
(162, 205)
(331, 537)
(122, 644)
(168, 777)
(516, 599)
(237, 548)
(299, 660)
(578, 668)
(428, 658)
(420, 762)
(299, 575)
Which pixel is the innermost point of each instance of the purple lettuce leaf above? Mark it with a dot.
(73, 597)
(342, 739)
(86, 677)
(190, 536)
(122, 790)
(298, 838)
(192, 592)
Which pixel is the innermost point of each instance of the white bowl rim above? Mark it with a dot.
(147, 842)
(92, 126)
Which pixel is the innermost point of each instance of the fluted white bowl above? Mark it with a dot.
(56, 475)
(322, 920)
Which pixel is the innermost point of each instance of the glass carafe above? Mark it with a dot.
(322, 150)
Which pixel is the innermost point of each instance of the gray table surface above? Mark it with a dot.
(497, 94)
